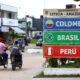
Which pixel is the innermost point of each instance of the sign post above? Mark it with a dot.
(61, 38)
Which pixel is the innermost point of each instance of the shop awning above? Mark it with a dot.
(18, 30)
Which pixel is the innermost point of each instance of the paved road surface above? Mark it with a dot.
(32, 65)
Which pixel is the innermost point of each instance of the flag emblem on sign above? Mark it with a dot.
(49, 37)
(49, 23)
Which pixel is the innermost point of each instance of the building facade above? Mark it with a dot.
(22, 24)
(34, 26)
(8, 19)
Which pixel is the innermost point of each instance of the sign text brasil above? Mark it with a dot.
(61, 23)
(57, 37)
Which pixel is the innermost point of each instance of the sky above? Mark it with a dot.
(35, 7)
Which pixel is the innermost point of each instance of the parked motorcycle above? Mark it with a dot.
(15, 61)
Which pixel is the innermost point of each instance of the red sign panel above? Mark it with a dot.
(61, 51)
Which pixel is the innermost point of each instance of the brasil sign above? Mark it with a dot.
(61, 23)
(61, 51)
(64, 37)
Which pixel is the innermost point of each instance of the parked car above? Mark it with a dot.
(39, 42)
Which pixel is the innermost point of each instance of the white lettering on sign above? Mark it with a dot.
(68, 51)
(67, 24)
(57, 23)
(67, 37)
(49, 51)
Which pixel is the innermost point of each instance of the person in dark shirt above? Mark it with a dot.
(16, 50)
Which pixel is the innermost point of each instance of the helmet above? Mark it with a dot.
(1, 39)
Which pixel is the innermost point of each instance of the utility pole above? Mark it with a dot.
(26, 43)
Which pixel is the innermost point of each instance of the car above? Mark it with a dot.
(39, 42)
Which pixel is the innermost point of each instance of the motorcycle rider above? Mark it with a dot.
(2, 52)
(16, 50)
(21, 45)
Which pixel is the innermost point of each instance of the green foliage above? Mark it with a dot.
(13, 34)
(34, 40)
(52, 62)
(77, 62)
(63, 61)
(41, 74)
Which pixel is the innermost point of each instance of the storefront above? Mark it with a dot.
(6, 25)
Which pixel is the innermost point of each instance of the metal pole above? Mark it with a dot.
(26, 43)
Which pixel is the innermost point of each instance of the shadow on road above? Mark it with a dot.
(17, 69)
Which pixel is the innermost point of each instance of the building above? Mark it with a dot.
(34, 26)
(69, 6)
(8, 21)
(22, 24)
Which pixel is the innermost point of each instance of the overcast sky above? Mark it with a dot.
(35, 7)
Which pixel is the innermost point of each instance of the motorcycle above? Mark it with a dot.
(15, 61)
(2, 63)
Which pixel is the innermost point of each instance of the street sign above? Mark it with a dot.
(61, 51)
(57, 37)
(62, 23)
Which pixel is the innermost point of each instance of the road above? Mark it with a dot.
(32, 65)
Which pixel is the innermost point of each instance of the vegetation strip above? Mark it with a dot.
(41, 75)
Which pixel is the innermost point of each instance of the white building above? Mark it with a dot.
(8, 19)
(8, 16)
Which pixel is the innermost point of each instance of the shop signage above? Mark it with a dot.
(61, 51)
(61, 23)
(57, 37)
(10, 22)
(4, 29)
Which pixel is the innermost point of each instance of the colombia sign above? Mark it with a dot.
(64, 37)
(61, 23)
(62, 51)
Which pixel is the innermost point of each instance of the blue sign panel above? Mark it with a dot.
(61, 23)
(0, 28)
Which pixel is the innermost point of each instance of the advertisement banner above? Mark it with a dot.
(10, 22)
(61, 51)
(56, 37)
(4, 29)
(61, 23)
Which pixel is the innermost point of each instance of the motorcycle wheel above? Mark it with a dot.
(20, 66)
(5, 64)
(13, 67)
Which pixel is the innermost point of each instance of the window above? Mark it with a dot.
(10, 15)
(0, 14)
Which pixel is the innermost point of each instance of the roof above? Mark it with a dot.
(18, 30)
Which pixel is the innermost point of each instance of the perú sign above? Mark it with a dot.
(62, 51)
(61, 23)
(64, 37)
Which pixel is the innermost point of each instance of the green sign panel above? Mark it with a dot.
(56, 37)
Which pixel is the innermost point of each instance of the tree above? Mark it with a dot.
(76, 0)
